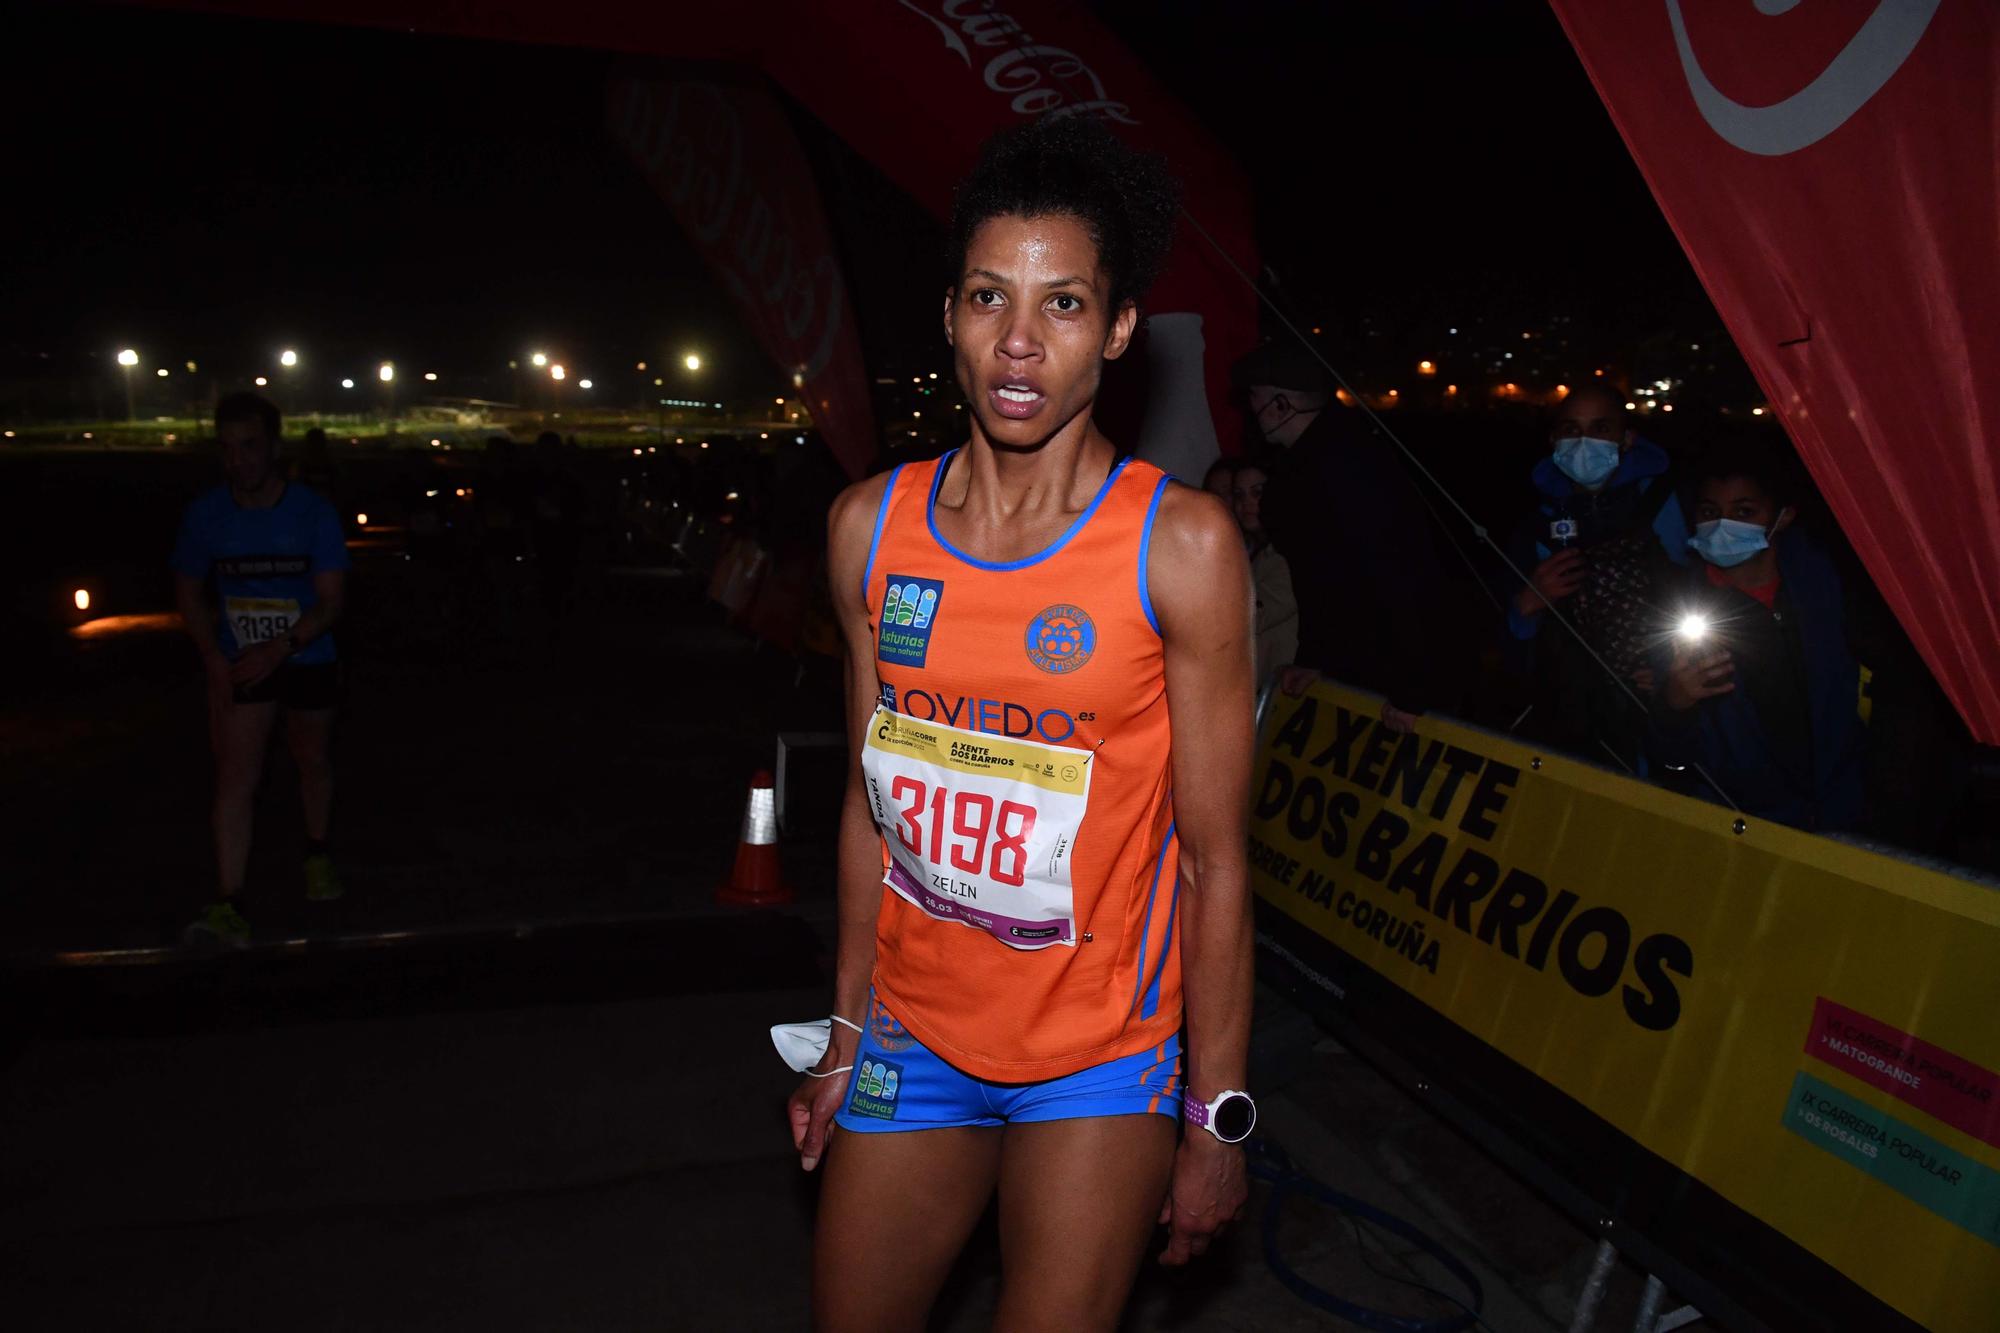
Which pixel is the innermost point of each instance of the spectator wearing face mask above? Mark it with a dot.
(1376, 608)
(1606, 524)
(1758, 682)
(1277, 621)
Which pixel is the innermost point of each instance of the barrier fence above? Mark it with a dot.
(1761, 1057)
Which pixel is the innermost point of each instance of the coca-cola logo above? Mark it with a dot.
(1034, 78)
(1869, 59)
(689, 138)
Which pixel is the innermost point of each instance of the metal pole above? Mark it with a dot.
(1592, 1295)
(1648, 1318)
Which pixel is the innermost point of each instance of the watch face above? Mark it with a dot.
(1234, 1118)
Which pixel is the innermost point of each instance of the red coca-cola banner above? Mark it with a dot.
(726, 162)
(1833, 171)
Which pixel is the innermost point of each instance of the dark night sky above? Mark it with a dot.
(206, 187)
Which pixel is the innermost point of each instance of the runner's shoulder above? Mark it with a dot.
(854, 509)
(307, 498)
(1194, 524)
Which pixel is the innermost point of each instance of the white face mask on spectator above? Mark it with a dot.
(1587, 460)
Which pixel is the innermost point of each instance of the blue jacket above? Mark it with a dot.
(1787, 744)
(1594, 516)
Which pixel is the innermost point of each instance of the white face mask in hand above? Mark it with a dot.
(803, 1045)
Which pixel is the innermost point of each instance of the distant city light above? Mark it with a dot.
(659, 383)
(261, 381)
(436, 443)
(1562, 390)
(539, 359)
(731, 496)
(385, 372)
(916, 414)
(583, 384)
(640, 366)
(779, 401)
(1666, 407)
(556, 372)
(1452, 332)
(190, 366)
(1450, 389)
(692, 361)
(347, 384)
(796, 439)
(128, 357)
(1599, 372)
(933, 374)
(161, 372)
(361, 520)
(288, 357)
(431, 375)
(1756, 411)
(460, 492)
(1427, 367)
(1394, 394)
(82, 599)
(1631, 407)
(798, 379)
(638, 453)
(763, 434)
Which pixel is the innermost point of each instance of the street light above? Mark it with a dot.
(127, 358)
(288, 358)
(539, 359)
(347, 384)
(387, 373)
(583, 384)
(556, 372)
(692, 361)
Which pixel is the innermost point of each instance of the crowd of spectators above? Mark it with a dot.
(1692, 618)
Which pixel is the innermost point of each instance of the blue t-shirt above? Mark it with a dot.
(262, 562)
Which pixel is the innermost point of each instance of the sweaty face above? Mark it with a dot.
(246, 453)
(1248, 497)
(1742, 499)
(1590, 412)
(1031, 325)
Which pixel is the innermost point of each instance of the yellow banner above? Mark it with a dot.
(1809, 1029)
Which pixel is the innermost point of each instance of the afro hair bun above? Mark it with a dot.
(1072, 165)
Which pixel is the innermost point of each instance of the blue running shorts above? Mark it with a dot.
(898, 1084)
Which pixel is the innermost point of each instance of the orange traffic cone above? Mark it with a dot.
(757, 880)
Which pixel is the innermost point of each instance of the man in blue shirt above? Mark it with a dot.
(259, 577)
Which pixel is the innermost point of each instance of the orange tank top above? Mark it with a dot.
(1017, 767)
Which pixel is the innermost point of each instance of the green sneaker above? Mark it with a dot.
(221, 923)
(322, 884)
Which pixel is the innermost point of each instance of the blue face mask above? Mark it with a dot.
(1587, 460)
(1727, 542)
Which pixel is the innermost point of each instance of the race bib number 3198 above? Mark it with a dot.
(979, 827)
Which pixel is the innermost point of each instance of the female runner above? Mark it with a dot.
(1044, 921)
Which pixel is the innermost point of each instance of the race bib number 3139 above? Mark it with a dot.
(979, 827)
(260, 619)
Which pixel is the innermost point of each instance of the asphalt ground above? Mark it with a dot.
(519, 1077)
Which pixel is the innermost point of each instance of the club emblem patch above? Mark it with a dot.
(1061, 638)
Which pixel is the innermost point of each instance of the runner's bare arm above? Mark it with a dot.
(850, 529)
(1200, 586)
(197, 613)
(330, 594)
